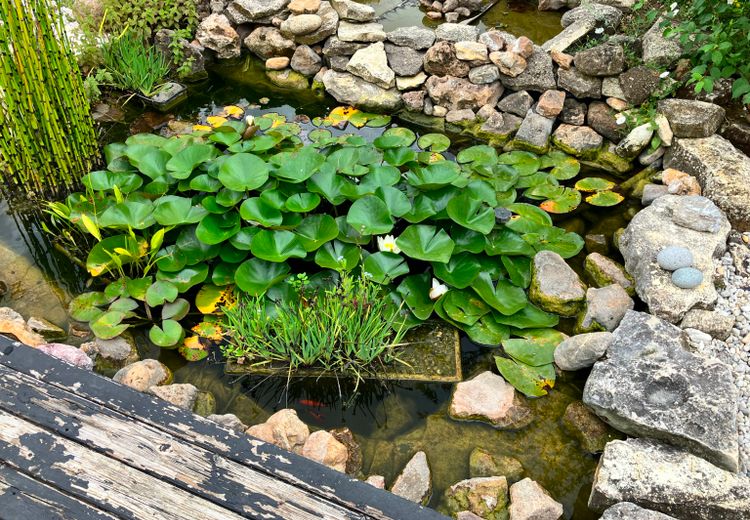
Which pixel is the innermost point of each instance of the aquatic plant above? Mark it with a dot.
(243, 208)
(147, 17)
(47, 138)
(133, 64)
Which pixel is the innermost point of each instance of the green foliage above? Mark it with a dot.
(134, 65)
(342, 325)
(47, 138)
(438, 237)
(147, 17)
(713, 33)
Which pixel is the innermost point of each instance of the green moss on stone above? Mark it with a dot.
(288, 79)
(205, 404)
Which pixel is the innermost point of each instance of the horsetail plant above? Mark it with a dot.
(47, 137)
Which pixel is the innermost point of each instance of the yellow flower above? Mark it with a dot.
(388, 244)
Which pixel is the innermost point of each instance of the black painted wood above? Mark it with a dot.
(288, 467)
(22, 497)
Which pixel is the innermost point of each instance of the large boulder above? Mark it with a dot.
(538, 76)
(371, 64)
(670, 480)
(13, 323)
(630, 511)
(555, 287)
(459, 93)
(603, 119)
(654, 229)
(723, 173)
(650, 384)
(216, 33)
(352, 90)
(486, 497)
(489, 398)
(456, 32)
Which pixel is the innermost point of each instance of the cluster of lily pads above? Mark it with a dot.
(187, 222)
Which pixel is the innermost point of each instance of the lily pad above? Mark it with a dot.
(87, 306)
(109, 325)
(370, 216)
(255, 276)
(530, 381)
(276, 245)
(604, 199)
(594, 184)
(383, 268)
(434, 142)
(169, 334)
(243, 171)
(426, 243)
(337, 255)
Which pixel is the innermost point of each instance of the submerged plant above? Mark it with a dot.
(47, 138)
(134, 65)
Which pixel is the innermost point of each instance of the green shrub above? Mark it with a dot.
(714, 33)
(134, 65)
(211, 214)
(147, 17)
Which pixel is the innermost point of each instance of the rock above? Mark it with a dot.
(335, 47)
(672, 258)
(256, 10)
(574, 112)
(228, 421)
(415, 37)
(351, 90)
(604, 309)
(688, 118)
(592, 433)
(580, 141)
(354, 451)
(605, 15)
(651, 192)
(582, 350)
(181, 395)
(471, 51)
(571, 35)
(596, 243)
(483, 464)
(371, 64)
(484, 74)
(530, 501)
(306, 61)
(377, 481)
(628, 511)
(288, 78)
(412, 82)
(603, 119)
(110, 355)
(283, 429)
(439, 111)
(611, 88)
(552, 5)
(441, 60)
(667, 479)
(403, 60)
(142, 375)
(487, 397)
(329, 25)
(501, 126)
(415, 481)
(486, 497)
(68, 353)
(456, 32)
(458, 93)
(303, 6)
(300, 24)
(649, 158)
(353, 11)
(658, 50)
(650, 385)
(467, 515)
(636, 140)
(323, 447)
(49, 331)
(169, 43)
(509, 63)
(267, 42)
(650, 231)
(497, 40)
(361, 32)
(722, 170)
(550, 103)
(555, 287)
(523, 46)
(456, 116)
(538, 76)
(216, 33)
(602, 60)
(579, 84)
(638, 84)
(603, 271)
(687, 278)
(279, 63)
(534, 133)
(712, 323)
(518, 103)
(663, 130)
(562, 59)
(680, 183)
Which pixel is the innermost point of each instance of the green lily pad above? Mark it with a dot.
(186, 278)
(433, 176)
(255, 276)
(193, 349)
(530, 381)
(257, 210)
(471, 212)
(243, 171)
(383, 268)
(109, 325)
(370, 216)
(171, 210)
(605, 199)
(298, 166)
(462, 307)
(415, 290)
(426, 243)
(434, 142)
(337, 255)
(525, 163)
(87, 306)
(182, 164)
(316, 230)
(160, 292)
(460, 271)
(175, 310)
(302, 202)
(487, 331)
(168, 335)
(529, 352)
(215, 229)
(277, 245)
(594, 184)
(504, 297)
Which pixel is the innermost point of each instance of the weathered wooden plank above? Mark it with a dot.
(104, 482)
(143, 447)
(264, 457)
(23, 497)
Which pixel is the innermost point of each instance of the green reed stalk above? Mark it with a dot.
(47, 137)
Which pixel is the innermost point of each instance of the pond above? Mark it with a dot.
(391, 420)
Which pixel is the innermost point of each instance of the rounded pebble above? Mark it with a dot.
(674, 257)
(687, 277)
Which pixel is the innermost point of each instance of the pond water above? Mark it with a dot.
(391, 420)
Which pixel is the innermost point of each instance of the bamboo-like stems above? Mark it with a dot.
(47, 137)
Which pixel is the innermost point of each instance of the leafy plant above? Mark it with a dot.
(214, 213)
(146, 17)
(133, 64)
(47, 137)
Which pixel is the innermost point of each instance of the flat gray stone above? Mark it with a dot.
(569, 36)
(605, 308)
(555, 287)
(603, 15)
(361, 32)
(371, 64)
(652, 230)
(658, 50)
(579, 84)
(517, 103)
(651, 385)
(582, 350)
(484, 74)
(629, 511)
(712, 323)
(456, 32)
(415, 481)
(538, 76)
(670, 480)
(534, 133)
(414, 37)
(403, 60)
(698, 213)
(353, 11)
(252, 10)
(602, 60)
(689, 118)
(352, 90)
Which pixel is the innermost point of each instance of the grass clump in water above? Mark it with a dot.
(134, 65)
(349, 326)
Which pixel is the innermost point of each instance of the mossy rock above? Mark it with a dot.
(555, 287)
(594, 326)
(418, 118)
(592, 433)
(608, 160)
(288, 78)
(582, 155)
(602, 271)
(520, 144)
(205, 404)
(482, 463)
(486, 497)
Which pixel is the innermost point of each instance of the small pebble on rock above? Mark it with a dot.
(674, 257)
(687, 277)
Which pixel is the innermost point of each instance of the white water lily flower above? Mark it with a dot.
(664, 74)
(599, 30)
(621, 120)
(673, 6)
(438, 289)
(250, 120)
(675, 12)
(388, 244)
